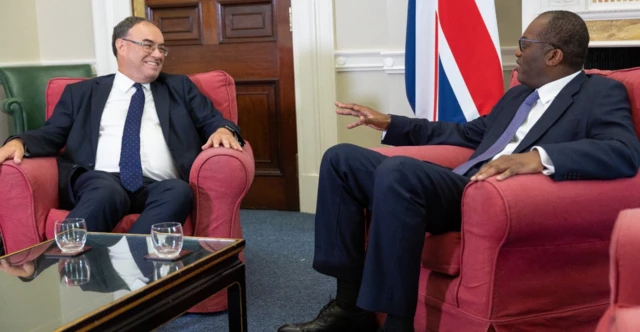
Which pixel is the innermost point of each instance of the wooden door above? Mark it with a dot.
(250, 40)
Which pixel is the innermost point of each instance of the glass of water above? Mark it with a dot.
(71, 234)
(167, 239)
(74, 271)
(162, 269)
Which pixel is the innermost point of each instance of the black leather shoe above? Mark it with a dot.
(332, 318)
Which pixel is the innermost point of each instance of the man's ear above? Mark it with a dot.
(554, 57)
(120, 45)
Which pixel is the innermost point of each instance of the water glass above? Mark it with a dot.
(74, 271)
(162, 269)
(71, 234)
(167, 239)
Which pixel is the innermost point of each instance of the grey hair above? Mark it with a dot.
(122, 29)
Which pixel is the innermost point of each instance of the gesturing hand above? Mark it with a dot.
(365, 115)
(507, 166)
(13, 149)
(222, 136)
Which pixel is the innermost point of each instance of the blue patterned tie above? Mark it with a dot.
(505, 138)
(130, 165)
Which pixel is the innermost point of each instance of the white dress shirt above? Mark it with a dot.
(126, 267)
(155, 157)
(547, 94)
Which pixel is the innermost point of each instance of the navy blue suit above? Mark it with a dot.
(187, 119)
(587, 132)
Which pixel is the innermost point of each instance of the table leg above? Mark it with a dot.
(237, 298)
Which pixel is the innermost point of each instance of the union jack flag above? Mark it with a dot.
(453, 69)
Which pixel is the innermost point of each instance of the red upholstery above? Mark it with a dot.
(219, 179)
(532, 254)
(623, 314)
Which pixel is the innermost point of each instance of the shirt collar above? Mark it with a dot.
(549, 91)
(124, 83)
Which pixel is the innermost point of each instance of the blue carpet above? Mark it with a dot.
(281, 285)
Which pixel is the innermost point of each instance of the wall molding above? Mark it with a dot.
(315, 91)
(49, 63)
(392, 62)
(608, 14)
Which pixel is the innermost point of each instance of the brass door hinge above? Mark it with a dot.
(290, 20)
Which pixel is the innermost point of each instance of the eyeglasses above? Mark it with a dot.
(149, 47)
(522, 42)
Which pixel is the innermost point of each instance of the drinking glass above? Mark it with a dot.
(167, 239)
(162, 269)
(74, 271)
(71, 234)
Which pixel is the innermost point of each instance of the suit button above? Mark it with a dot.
(91, 165)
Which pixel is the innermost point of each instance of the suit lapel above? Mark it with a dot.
(100, 93)
(558, 106)
(161, 100)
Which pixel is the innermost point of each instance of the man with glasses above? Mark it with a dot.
(559, 122)
(129, 139)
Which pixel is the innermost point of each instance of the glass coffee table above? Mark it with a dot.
(113, 287)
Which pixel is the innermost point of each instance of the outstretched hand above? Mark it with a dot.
(13, 149)
(224, 137)
(366, 116)
(510, 165)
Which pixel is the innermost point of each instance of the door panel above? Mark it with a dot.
(250, 40)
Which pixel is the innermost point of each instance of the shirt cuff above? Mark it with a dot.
(549, 169)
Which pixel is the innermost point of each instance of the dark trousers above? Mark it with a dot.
(406, 197)
(102, 202)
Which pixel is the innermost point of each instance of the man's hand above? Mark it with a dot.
(24, 270)
(222, 136)
(365, 115)
(13, 149)
(507, 166)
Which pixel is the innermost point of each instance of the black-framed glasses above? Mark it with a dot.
(150, 47)
(522, 43)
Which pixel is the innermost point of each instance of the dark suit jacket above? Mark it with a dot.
(186, 116)
(587, 130)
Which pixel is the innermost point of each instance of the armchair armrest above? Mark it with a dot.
(624, 273)
(516, 232)
(27, 192)
(444, 155)
(220, 178)
(15, 108)
(533, 210)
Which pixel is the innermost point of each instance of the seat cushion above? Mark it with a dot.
(122, 227)
(441, 253)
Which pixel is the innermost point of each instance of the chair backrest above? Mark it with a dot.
(629, 77)
(28, 84)
(217, 85)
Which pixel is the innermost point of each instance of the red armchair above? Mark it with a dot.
(623, 314)
(532, 254)
(219, 179)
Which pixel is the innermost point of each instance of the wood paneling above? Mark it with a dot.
(245, 22)
(180, 24)
(259, 123)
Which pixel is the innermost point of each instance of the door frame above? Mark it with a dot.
(314, 74)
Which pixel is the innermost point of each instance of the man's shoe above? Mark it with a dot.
(332, 318)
